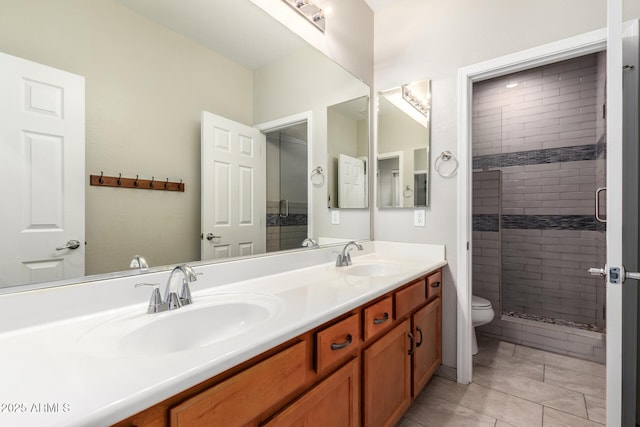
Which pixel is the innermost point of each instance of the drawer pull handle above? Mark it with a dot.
(419, 343)
(335, 346)
(410, 343)
(384, 318)
(435, 285)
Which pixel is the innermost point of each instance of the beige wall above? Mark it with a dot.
(145, 87)
(433, 41)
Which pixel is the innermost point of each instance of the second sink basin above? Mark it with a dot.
(207, 321)
(374, 269)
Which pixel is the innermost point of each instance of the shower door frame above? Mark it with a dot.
(284, 122)
(592, 42)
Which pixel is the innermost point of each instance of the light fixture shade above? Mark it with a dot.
(310, 11)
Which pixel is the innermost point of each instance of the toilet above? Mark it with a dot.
(481, 314)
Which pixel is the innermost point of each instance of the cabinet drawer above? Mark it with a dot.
(337, 342)
(434, 284)
(378, 317)
(410, 298)
(243, 397)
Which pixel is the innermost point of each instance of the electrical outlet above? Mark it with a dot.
(335, 217)
(419, 219)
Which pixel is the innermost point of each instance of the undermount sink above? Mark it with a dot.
(209, 320)
(375, 269)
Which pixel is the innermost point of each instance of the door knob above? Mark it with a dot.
(71, 244)
(211, 236)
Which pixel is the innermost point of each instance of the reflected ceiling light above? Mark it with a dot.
(414, 100)
(512, 85)
(309, 10)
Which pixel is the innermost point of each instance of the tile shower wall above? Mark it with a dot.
(544, 136)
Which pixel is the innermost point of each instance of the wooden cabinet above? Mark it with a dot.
(410, 298)
(337, 342)
(334, 402)
(378, 317)
(244, 397)
(427, 332)
(387, 378)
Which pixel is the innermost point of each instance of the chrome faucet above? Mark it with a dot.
(344, 258)
(309, 243)
(171, 300)
(139, 262)
(171, 297)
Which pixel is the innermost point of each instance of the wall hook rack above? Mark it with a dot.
(141, 184)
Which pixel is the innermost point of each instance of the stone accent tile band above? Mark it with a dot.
(536, 157)
(490, 222)
(552, 222)
(537, 222)
(274, 220)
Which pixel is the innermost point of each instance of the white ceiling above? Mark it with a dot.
(238, 30)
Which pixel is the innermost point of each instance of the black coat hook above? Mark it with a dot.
(151, 183)
(166, 184)
(119, 176)
(136, 181)
(101, 181)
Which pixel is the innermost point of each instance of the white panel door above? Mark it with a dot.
(233, 188)
(42, 172)
(351, 176)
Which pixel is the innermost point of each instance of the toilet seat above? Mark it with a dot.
(479, 303)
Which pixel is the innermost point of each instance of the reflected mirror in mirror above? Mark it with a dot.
(148, 73)
(348, 153)
(404, 145)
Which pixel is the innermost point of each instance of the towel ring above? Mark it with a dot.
(317, 177)
(445, 156)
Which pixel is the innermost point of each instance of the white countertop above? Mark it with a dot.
(52, 374)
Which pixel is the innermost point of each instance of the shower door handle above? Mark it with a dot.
(284, 207)
(597, 272)
(598, 217)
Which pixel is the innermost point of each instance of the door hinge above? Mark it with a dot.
(467, 245)
(604, 311)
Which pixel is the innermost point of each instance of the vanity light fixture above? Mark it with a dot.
(310, 11)
(415, 102)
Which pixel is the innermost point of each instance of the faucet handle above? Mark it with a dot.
(155, 303)
(185, 292)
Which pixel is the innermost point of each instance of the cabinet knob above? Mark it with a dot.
(435, 285)
(340, 346)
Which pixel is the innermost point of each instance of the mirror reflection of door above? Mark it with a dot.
(42, 165)
(233, 192)
(287, 178)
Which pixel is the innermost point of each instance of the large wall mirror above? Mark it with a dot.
(150, 69)
(403, 155)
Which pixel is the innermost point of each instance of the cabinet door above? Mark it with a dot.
(428, 335)
(334, 402)
(387, 377)
(243, 397)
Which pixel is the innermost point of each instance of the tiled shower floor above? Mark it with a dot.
(514, 385)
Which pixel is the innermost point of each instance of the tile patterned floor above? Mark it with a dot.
(515, 385)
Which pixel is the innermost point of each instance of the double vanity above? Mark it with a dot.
(270, 340)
